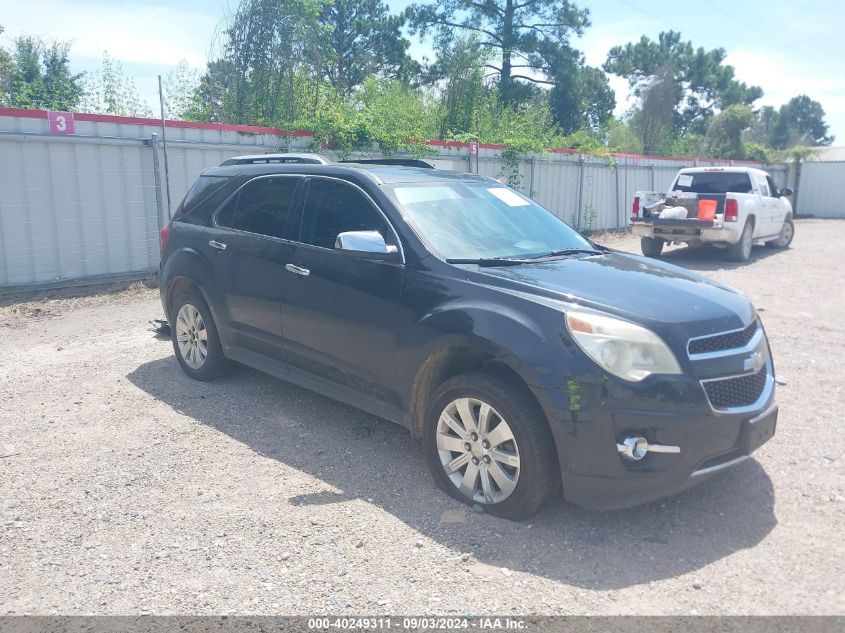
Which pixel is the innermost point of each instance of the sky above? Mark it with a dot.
(787, 47)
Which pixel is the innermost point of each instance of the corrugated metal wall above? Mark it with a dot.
(819, 192)
(90, 205)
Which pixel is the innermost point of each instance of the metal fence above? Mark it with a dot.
(89, 206)
(819, 194)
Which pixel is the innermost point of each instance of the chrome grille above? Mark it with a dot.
(721, 342)
(741, 391)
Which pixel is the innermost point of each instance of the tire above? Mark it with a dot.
(521, 454)
(741, 251)
(651, 246)
(787, 232)
(191, 318)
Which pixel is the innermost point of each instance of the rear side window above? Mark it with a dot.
(714, 182)
(332, 208)
(262, 206)
(202, 189)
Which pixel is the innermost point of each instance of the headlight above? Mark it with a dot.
(624, 349)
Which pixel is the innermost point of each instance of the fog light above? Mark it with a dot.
(636, 448)
(633, 448)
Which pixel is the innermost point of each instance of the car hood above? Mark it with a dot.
(668, 299)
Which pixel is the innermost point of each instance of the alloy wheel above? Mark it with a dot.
(478, 451)
(785, 234)
(191, 336)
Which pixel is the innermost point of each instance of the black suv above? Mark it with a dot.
(525, 356)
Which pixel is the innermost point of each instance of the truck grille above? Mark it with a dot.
(736, 392)
(721, 342)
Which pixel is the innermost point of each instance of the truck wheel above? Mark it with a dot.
(194, 336)
(741, 251)
(488, 444)
(787, 232)
(651, 246)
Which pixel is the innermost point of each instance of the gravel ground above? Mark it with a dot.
(127, 488)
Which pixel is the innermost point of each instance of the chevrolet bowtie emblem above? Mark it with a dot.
(754, 362)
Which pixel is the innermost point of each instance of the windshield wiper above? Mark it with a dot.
(566, 251)
(488, 261)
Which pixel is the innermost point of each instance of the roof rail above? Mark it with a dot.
(288, 159)
(399, 162)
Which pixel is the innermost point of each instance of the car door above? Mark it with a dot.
(248, 252)
(340, 312)
(765, 208)
(780, 206)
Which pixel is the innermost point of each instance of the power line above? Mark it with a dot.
(754, 27)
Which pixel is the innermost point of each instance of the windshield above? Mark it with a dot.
(482, 221)
(713, 182)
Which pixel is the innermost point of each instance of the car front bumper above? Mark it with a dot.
(609, 483)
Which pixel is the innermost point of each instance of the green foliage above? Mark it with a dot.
(36, 74)
(798, 122)
(355, 39)
(527, 37)
(702, 83)
(111, 91)
(180, 92)
(724, 135)
(581, 98)
(756, 151)
(459, 70)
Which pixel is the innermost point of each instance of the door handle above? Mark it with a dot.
(220, 246)
(296, 270)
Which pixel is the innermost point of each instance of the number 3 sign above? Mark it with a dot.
(60, 123)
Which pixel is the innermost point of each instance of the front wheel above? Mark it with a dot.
(651, 246)
(787, 232)
(741, 251)
(488, 443)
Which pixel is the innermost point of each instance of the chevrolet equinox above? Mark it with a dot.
(526, 357)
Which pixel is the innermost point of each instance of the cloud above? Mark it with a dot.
(130, 32)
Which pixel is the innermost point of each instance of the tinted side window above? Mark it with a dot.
(204, 187)
(334, 207)
(263, 206)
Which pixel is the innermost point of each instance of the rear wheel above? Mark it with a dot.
(488, 443)
(787, 232)
(651, 246)
(741, 251)
(194, 336)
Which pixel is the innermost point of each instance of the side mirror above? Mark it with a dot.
(786, 191)
(367, 245)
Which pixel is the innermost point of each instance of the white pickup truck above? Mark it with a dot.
(728, 207)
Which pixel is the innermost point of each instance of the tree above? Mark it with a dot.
(5, 73)
(37, 75)
(800, 121)
(269, 45)
(111, 91)
(724, 136)
(581, 98)
(703, 83)
(180, 92)
(359, 38)
(458, 72)
(524, 35)
(654, 119)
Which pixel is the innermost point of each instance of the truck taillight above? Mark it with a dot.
(163, 236)
(635, 208)
(731, 210)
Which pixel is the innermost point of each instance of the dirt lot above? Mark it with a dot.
(127, 488)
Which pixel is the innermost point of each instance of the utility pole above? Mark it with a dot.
(164, 148)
